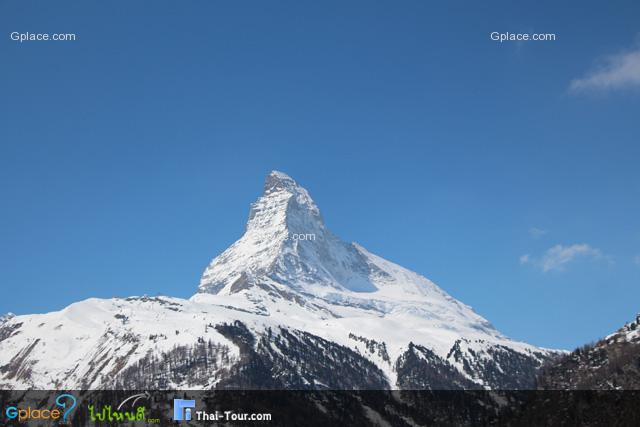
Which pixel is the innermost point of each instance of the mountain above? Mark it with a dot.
(612, 363)
(6, 317)
(287, 306)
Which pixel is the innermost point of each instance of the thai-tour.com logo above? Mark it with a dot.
(185, 410)
(182, 409)
(61, 412)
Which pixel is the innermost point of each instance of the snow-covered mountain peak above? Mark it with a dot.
(287, 288)
(288, 265)
(287, 252)
(286, 241)
(277, 180)
(284, 207)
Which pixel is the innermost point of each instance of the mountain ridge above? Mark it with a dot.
(287, 304)
(611, 363)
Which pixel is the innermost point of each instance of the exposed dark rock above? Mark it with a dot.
(296, 360)
(613, 363)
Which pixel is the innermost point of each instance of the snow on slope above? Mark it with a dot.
(90, 341)
(287, 269)
(630, 332)
(364, 291)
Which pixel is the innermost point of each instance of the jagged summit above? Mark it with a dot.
(284, 205)
(286, 241)
(277, 180)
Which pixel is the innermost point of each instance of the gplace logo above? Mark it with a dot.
(182, 409)
(66, 402)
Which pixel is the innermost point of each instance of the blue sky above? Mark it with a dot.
(508, 173)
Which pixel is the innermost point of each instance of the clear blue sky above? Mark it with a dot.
(129, 157)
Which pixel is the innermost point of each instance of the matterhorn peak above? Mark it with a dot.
(277, 180)
(286, 204)
(286, 241)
